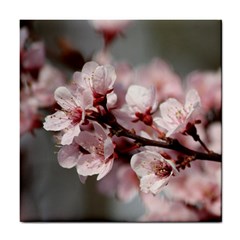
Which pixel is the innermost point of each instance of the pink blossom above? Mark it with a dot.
(110, 25)
(199, 186)
(128, 183)
(159, 208)
(153, 170)
(98, 152)
(175, 116)
(109, 28)
(48, 80)
(214, 133)
(99, 79)
(29, 117)
(32, 58)
(72, 114)
(159, 74)
(141, 103)
(208, 85)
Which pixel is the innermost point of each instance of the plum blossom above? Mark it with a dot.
(153, 170)
(98, 151)
(110, 28)
(99, 79)
(208, 84)
(141, 103)
(128, 183)
(175, 116)
(159, 208)
(29, 117)
(159, 74)
(32, 58)
(72, 114)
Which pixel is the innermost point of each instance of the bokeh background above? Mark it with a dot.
(49, 192)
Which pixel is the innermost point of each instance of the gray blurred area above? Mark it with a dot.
(52, 193)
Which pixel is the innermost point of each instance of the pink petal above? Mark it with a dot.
(169, 109)
(87, 98)
(88, 141)
(106, 169)
(71, 132)
(64, 98)
(68, 156)
(100, 131)
(89, 68)
(82, 179)
(140, 98)
(111, 100)
(192, 100)
(82, 80)
(147, 181)
(56, 121)
(161, 123)
(108, 148)
(104, 78)
(34, 57)
(140, 163)
(89, 165)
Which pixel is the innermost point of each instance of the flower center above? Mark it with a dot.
(76, 115)
(162, 169)
(180, 116)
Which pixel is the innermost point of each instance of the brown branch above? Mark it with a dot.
(109, 119)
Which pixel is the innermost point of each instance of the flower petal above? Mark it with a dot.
(192, 100)
(56, 121)
(169, 110)
(82, 179)
(68, 155)
(88, 141)
(103, 79)
(71, 132)
(108, 148)
(89, 165)
(105, 169)
(64, 98)
(141, 163)
(140, 99)
(89, 68)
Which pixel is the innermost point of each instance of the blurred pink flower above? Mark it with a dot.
(200, 187)
(48, 80)
(159, 208)
(214, 133)
(110, 28)
(29, 117)
(208, 85)
(175, 116)
(160, 75)
(98, 152)
(32, 58)
(153, 170)
(128, 183)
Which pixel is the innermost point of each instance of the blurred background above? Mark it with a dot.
(49, 192)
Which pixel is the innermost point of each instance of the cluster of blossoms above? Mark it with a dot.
(138, 129)
(38, 81)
